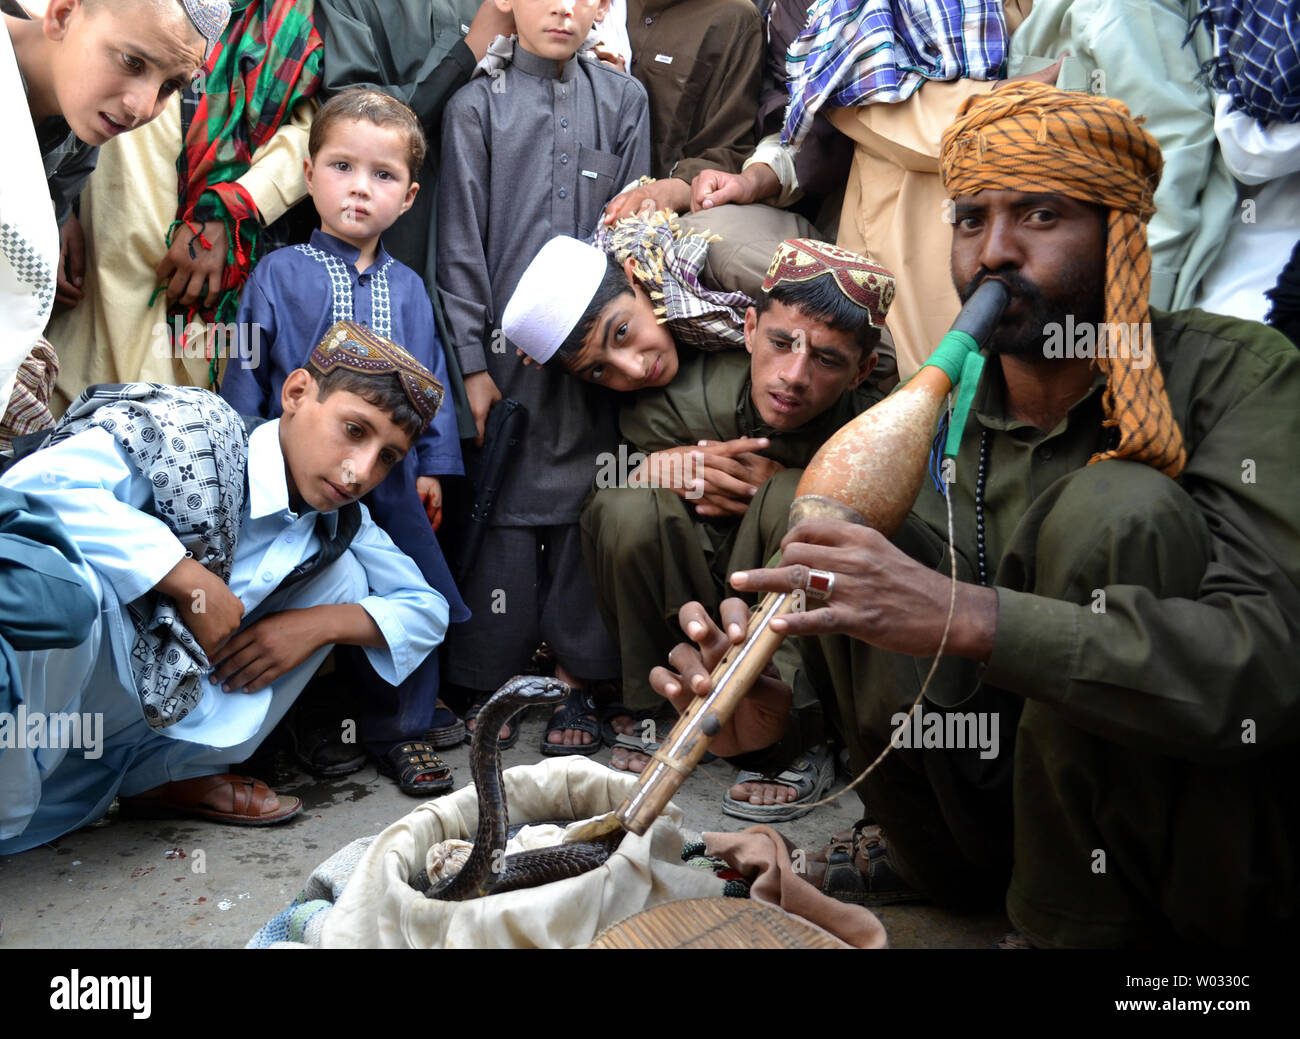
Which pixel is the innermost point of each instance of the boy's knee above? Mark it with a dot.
(771, 505)
(621, 519)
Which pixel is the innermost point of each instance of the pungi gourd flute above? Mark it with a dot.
(869, 472)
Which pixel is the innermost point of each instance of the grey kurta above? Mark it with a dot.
(526, 155)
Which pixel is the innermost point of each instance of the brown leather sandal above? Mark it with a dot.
(193, 798)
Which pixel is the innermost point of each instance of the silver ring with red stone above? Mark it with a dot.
(820, 584)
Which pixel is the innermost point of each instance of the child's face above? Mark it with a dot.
(359, 180)
(799, 366)
(627, 348)
(117, 65)
(338, 449)
(554, 28)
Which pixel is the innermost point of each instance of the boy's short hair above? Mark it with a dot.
(613, 283)
(820, 299)
(372, 106)
(844, 290)
(383, 391)
(354, 358)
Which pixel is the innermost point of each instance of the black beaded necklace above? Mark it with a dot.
(981, 480)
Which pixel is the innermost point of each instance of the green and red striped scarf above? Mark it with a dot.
(267, 61)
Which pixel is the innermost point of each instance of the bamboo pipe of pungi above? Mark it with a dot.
(869, 472)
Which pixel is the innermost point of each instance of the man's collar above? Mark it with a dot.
(543, 68)
(268, 486)
(336, 246)
(990, 407)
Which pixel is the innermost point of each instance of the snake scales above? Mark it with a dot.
(489, 870)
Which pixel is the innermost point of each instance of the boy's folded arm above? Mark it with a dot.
(274, 178)
(634, 143)
(44, 602)
(463, 278)
(98, 494)
(411, 617)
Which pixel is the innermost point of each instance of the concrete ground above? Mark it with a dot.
(125, 883)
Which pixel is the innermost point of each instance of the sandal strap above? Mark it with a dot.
(577, 712)
(415, 759)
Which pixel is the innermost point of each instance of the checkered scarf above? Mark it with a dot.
(860, 52)
(192, 447)
(267, 61)
(667, 264)
(1257, 56)
(1026, 136)
(29, 404)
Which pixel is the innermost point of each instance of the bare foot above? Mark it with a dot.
(569, 737)
(763, 793)
(628, 760)
(472, 723)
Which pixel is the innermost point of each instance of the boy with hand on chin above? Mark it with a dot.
(248, 594)
(533, 150)
(365, 148)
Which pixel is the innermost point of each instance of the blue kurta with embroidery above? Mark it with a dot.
(292, 298)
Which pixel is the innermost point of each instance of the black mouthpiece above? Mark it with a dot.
(980, 315)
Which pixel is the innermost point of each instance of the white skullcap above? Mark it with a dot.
(552, 296)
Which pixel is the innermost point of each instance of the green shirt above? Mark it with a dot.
(1173, 676)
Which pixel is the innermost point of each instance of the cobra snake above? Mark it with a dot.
(489, 870)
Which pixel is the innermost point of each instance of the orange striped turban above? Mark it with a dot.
(1027, 136)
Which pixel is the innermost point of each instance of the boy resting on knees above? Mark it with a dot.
(215, 610)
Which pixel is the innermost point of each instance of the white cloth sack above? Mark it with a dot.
(380, 909)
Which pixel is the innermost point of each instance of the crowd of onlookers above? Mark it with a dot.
(498, 271)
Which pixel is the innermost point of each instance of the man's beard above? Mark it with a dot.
(1026, 335)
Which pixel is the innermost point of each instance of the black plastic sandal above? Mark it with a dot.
(577, 712)
(408, 761)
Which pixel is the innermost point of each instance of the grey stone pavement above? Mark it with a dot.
(127, 883)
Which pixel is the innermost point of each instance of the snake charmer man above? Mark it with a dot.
(1127, 535)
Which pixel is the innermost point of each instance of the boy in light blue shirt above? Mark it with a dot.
(295, 569)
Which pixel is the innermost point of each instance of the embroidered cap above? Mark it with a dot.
(864, 283)
(356, 348)
(210, 17)
(552, 295)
